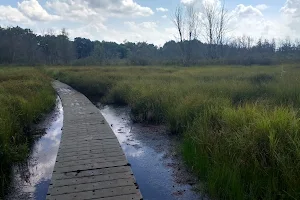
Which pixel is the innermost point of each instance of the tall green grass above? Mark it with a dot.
(25, 94)
(239, 125)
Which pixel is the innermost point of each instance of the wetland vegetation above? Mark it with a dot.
(239, 125)
(25, 95)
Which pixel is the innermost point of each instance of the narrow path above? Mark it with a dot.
(90, 163)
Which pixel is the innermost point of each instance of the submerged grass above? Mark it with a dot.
(239, 125)
(25, 94)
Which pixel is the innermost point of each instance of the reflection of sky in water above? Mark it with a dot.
(121, 125)
(32, 179)
(154, 178)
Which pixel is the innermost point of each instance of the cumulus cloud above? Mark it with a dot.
(187, 2)
(103, 8)
(144, 25)
(259, 27)
(291, 7)
(212, 2)
(9, 14)
(249, 20)
(162, 9)
(148, 31)
(243, 11)
(34, 11)
(70, 10)
(120, 7)
(291, 15)
(262, 7)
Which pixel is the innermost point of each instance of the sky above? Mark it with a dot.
(146, 20)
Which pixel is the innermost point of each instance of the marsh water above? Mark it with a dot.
(31, 179)
(151, 152)
(153, 156)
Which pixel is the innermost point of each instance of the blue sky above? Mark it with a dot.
(141, 20)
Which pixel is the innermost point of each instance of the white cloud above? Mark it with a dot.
(128, 7)
(250, 21)
(9, 14)
(33, 10)
(187, 2)
(103, 8)
(243, 11)
(149, 25)
(149, 32)
(70, 10)
(291, 7)
(144, 25)
(259, 27)
(162, 9)
(133, 32)
(164, 16)
(262, 7)
(291, 14)
(212, 2)
(91, 31)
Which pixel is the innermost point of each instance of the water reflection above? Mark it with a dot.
(32, 178)
(149, 151)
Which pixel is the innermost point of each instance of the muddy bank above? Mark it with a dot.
(31, 179)
(152, 153)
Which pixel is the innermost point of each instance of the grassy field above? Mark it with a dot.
(239, 125)
(25, 94)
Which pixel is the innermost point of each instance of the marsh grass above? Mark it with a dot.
(25, 95)
(239, 125)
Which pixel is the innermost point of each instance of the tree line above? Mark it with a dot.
(20, 46)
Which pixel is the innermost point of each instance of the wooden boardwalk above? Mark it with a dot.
(90, 163)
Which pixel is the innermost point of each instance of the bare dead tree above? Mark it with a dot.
(186, 21)
(221, 23)
(50, 32)
(213, 23)
(209, 14)
(192, 21)
(179, 24)
(64, 32)
(215, 20)
(250, 41)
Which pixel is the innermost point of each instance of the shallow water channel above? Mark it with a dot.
(31, 179)
(151, 152)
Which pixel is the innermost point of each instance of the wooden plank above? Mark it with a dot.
(94, 151)
(91, 179)
(87, 143)
(93, 172)
(90, 156)
(90, 187)
(100, 194)
(72, 138)
(90, 148)
(92, 145)
(90, 166)
(64, 163)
